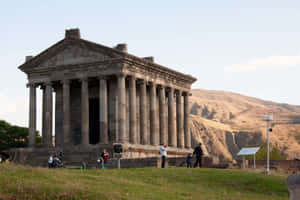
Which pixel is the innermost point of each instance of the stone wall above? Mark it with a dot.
(287, 165)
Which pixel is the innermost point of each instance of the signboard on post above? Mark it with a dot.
(248, 151)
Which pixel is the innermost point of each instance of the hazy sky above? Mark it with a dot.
(250, 48)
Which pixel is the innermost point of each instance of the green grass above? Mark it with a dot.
(21, 182)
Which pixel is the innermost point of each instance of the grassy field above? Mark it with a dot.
(21, 182)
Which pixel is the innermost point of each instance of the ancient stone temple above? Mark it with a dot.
(105, 96)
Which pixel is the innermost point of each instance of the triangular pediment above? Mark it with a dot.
(71, 52)
(74, 54)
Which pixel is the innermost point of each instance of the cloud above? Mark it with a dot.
(271, 62)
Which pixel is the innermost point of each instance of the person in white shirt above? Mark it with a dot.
(50, 161)
(163, 154)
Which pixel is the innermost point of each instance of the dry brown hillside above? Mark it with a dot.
(226, 121)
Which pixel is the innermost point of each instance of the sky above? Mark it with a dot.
(247, 47)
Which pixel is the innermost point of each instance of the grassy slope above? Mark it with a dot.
(19, 182)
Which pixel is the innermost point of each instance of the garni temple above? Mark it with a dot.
(105, 96)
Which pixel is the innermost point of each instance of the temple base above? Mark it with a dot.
(147, 155)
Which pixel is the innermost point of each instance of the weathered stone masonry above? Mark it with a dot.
(105, 95)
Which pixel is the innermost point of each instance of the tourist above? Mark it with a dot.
(189, 161)
(50, 161)
(1, 158)
(104, 156)
(199, 153)
(60, 155)
(57, 163)
(163, 154)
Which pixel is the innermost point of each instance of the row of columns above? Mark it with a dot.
(158, 120)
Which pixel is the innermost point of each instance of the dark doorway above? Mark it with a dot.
(94, 121)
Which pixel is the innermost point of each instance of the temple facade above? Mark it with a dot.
(105, 96)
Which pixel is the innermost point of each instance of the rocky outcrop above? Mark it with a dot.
(225, 122)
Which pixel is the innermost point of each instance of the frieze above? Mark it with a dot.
(158, 75)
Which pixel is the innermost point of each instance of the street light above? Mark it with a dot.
(268, 118)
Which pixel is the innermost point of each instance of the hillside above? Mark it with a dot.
(226, 121)
(23, 182)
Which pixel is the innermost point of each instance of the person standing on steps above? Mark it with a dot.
(104, 156)
(199, 153)
(163, 154)
(50, 161)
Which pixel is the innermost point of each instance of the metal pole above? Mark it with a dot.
(268, 148)
(254, 165)
(244, 162)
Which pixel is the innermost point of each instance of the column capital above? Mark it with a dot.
(141, 81)
(152, 83)
(83, 79)
(65, 81)
(48, 83)
(132, 76)
(178, 92)
(160, 86)
(121, 75)
(102, 77)
(186, 93)
(169, 89)
(30, 84)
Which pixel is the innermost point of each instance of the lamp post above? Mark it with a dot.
(268, 118)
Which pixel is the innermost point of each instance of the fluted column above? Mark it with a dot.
(154, 130)
(48, 114)
(44, 132)
(132, 113)
(66, 112)
(32, 115)
(187, 134)
(84, 112)
(171, 121)
(103, 110)
(143, 112)
(179, 117)
(122, 109)
(162, 116)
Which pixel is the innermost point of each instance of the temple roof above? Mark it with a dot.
(72, 38)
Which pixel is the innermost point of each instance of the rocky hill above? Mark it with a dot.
(225, 122)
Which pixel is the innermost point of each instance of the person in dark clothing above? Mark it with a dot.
(60, 155)
(189, 161)
(199, 153)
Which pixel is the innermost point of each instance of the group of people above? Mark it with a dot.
(55, 160)
(197, 152)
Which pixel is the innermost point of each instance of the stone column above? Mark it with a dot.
(48, 114)
(154, 129)
(187, 134)
(132, 113)
(85, 111)
(59, 116)
(66, 112)
(122, 138)
(171, 121)
(143, 112)
(44, 132)
(32, 114)
(162, 116)
(180, 134)
(103, 110)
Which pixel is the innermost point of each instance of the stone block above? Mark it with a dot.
(293, 184)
